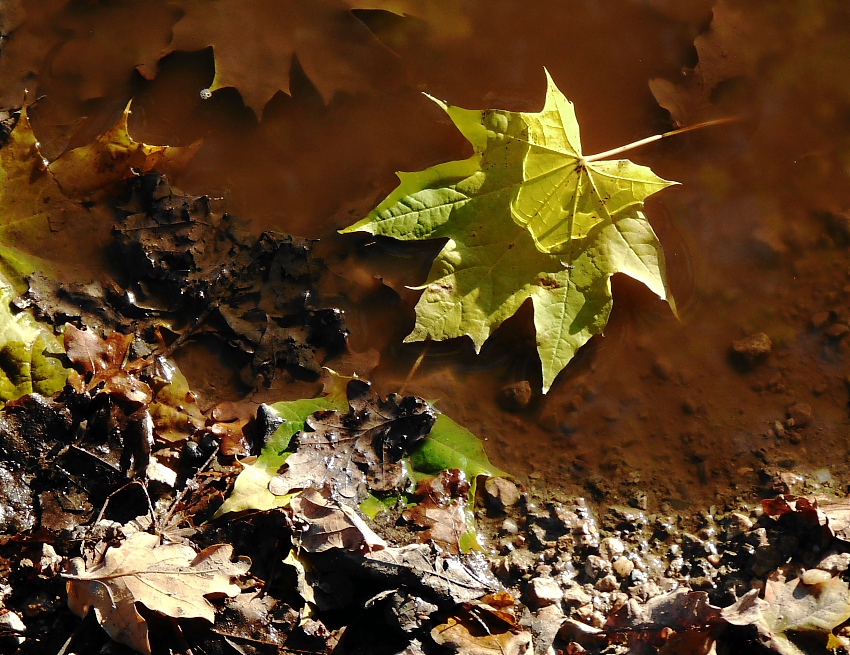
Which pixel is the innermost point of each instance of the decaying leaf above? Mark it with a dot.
(251, 489)
(527, 216)
(440, 512)
(363, 448)
(37, 198)
(791, 609)
(103, 362)
(257, 294)
(681, 609)
(168, 578)
(174, 408)
(254, 49)
(448, 580)
(327, 524)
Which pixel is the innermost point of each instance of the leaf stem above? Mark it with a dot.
(658, 137)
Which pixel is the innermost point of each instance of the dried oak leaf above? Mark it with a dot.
(254, 47)
(466, 635)
(168, 578)
(329, 524)
(440, 512)
(791, 609)
(363, 448)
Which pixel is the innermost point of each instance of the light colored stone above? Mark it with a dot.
(544, 591)
(835, 563)
(576, 596)
(623, 567)
(611, 548)
(815, 576)
(608, 583)
(501, 493)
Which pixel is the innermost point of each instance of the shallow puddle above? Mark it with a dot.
(655, 409)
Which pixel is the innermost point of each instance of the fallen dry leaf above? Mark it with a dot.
(791, 608)
(467, 636)
(103, 363)
(168, 578)
(329, 524)
(440, 512)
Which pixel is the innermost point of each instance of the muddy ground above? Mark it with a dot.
(663, 437)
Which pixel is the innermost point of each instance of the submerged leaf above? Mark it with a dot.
(30, 355)
(254, 49)
(329, 524)
(527, 216)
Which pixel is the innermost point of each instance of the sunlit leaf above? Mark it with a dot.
(527, 216)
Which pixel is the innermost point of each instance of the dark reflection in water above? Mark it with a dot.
(654, 404)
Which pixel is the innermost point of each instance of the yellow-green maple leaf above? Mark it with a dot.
(526, 216)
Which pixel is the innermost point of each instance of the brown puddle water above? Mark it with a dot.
(655, 406)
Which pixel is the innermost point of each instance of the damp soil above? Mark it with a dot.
(658, 415)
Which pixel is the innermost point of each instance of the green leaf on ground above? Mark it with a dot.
(451, 446)
(251, 489)
(29, 353)
(526, 216)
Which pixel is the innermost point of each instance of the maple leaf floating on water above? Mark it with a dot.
(526, 216)
(168, 578)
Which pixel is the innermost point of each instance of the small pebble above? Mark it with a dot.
(819, 320)
(836, 331)
(752, 348)
(608, 583)
(623, 566)
(815, 576)
(516, 396)
(544, 591)
(500, 494)
(610, 548)
(800, 413)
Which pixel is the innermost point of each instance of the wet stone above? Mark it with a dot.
(800, 414)
(835, 563)
(819, 320)
(836, 331)
(610, 548)
(576, 596)
(737, 524)
(516, 396)
(500, 494)
(16, 503)
(815, 576)
(751, 349)
(544, 591)
(607, 583)
(597, 567)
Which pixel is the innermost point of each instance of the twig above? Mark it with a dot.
(186, 488)
(415, 366)
(658, 137)
(189, 331)
(84, 623)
